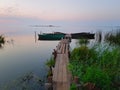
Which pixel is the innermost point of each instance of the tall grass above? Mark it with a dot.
(113, 38)
(50, 63)
(83, 42)
(97, 65)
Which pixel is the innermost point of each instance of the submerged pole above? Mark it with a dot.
(35, 36)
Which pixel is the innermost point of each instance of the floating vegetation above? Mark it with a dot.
(29, 81)
(2, 40)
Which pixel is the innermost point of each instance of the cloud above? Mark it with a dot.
(9, 10)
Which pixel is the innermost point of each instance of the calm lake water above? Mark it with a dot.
(21, 54)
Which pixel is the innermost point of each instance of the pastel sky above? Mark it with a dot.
(59, 10)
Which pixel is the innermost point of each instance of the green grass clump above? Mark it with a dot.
(98, 77)
(73, 86)
(50, 63)
(83, 42)
(113, 38)
(84, 54)
(97, 65)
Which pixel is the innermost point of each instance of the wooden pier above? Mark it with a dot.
(61, 75)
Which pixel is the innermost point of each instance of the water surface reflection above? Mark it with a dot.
(22, 55)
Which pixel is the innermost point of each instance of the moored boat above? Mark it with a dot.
(51, 36)
(83, 35)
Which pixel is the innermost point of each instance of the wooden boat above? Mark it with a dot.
(51, 36)
(83, 35)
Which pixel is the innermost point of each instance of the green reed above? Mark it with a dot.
(96, 65)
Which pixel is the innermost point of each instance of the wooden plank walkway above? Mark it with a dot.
(61, 75)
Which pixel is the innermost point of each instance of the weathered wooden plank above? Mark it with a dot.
(66, 51)
(60, 70)
(64, 69)
(63, 48)
(56, 72)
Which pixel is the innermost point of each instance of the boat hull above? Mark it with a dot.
(83, 35)
(50, 36)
